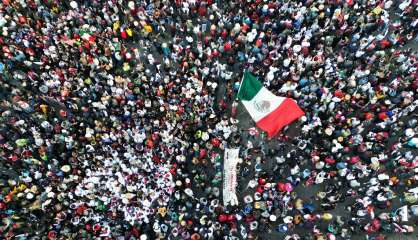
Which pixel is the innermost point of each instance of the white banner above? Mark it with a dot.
(230, 176)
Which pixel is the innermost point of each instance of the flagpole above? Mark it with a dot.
(235, 104)
(240, 84)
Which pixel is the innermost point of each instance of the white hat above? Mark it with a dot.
(382, 177)
(286, 62)
(350, 176)
(409, 132)
(74, 4)
(257, 196)
(319, 165)
(373, 181)
(131, 5)
(328, 131)
(354, 183)
(361, 213)
(188, 191)
(66, 168)
(319, 179)
(50, 195)
(29, 195)
(342, 172)
(288, 219)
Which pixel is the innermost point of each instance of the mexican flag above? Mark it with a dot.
(270, 112)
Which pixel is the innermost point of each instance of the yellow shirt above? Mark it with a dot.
(148, 28)
(116, 26)
(129, 32)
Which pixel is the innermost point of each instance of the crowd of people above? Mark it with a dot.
(115, 115)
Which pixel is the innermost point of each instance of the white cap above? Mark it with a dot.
(257, 196)
(74, 4)
(131, 5)
(409, 132)
(188, 191)
(319, 165)
(354, 183)
(252, 183)
(288, 219)
(50, 195)
(66, 168)
(383, 177)
(286, 62)
(29, 195)
(373, 181)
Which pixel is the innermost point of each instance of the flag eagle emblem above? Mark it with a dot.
(262, 106)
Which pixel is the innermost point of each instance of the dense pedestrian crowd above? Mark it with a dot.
(115, 115)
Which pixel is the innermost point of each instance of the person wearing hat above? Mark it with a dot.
(125, 116)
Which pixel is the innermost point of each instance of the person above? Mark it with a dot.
(115, 114)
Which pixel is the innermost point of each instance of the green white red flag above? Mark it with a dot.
(270, 112)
